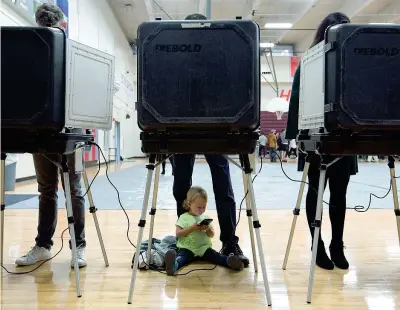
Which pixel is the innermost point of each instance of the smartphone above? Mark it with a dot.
(205, 222)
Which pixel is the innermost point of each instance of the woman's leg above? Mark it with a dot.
(232, 261)
(338, 183)
(323, 260)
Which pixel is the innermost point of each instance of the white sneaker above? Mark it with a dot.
(81, 256)
(36, 254)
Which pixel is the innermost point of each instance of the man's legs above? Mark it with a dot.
(226, 205)
(183, 171)
(47, 179)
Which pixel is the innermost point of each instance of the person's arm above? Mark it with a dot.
(210, 231)
(184, 232)
(292, 124)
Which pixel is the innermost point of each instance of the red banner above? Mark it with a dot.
(92, 155)
(294, 63)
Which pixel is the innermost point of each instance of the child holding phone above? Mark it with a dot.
(194, 233)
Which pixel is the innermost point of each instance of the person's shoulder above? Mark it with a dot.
(185, 215)
(184, 220)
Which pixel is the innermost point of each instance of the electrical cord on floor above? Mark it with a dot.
(160, 270)
(62, 234)
(358, 208)
(43, 262)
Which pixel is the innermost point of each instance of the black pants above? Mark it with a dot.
(262, 149)
(292, 151)
(47, 177)
(222, 185)
(185, 257)
(338, 178)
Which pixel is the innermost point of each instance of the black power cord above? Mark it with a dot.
(358, 208)
(41, 264)
(160, 270)
(62, 234)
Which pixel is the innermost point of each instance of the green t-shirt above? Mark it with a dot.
(198, 242)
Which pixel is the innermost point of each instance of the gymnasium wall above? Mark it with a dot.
(92, 22)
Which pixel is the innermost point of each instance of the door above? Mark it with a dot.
(117, 143)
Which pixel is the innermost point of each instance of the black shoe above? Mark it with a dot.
(323, 261)
(337, 256)
(163, 172)
(235, 249)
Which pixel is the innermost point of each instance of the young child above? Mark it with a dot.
(194, 240)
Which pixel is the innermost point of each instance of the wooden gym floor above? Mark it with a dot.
(372, 282)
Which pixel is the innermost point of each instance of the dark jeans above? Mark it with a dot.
(47, 178)
(338, 178)
(272, 154)
(185, 257)
(222, 185)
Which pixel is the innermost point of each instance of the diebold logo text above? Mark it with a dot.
(178, 48)
(377, 51)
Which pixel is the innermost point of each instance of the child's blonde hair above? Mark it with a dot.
(193, 193)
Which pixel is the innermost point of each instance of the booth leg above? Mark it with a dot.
(71, 221)
(142, 223)
(256, 224)
(250, 221)
(153, 208)
(2, 206)
(296, 213)
(317, 228)
(395, 195)
(92, 209)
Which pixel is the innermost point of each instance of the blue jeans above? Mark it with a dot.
(272, 154)
(47, 178)
(185, 257)
(222, 185)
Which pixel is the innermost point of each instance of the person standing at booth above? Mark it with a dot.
(222, 185)
(48, 15)
(338, 174)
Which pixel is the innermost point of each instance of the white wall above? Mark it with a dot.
(93, 23)
(283, 73)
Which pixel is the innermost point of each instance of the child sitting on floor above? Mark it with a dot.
(194, 240)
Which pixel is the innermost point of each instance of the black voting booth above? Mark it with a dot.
(359, 110)
(199, 93)
(33, 108)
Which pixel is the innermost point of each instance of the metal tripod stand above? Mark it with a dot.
(318, 216)
(250, 210)
(65, 174)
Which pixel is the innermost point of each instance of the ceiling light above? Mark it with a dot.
(278, 25)
(267, 44)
